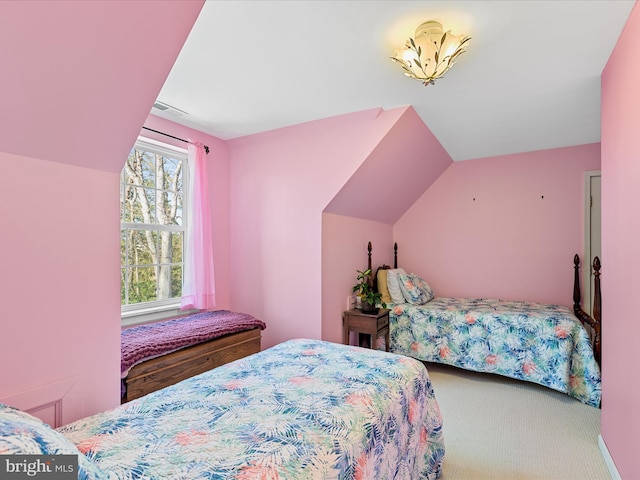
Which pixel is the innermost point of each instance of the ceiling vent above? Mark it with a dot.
(165, 107)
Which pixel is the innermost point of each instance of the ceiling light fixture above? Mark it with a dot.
(431, 53)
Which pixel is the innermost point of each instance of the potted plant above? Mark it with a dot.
(368, 297)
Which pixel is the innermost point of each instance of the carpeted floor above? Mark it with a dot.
(501, 429)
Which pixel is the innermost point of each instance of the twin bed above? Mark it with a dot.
(546, 344)
(304, 409)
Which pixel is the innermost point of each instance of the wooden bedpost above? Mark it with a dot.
(597, 295)
(576, 284)
(597, 312)
(395, 255)
(370, 281)
(593, 321)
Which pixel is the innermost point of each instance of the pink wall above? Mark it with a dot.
(621, 256)
(79, 80)
(218, 170)
(281, 181)
(484, 230)
(344, 250)
(60, 290)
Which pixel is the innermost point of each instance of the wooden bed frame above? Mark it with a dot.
(592, 323)
(165, 370)
(595, 322)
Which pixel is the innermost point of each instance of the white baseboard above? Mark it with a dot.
(613, 471)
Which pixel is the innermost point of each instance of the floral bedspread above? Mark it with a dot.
(544, 344)
(304, 409)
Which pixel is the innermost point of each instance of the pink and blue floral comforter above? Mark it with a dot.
(544, 344)
(303, 409)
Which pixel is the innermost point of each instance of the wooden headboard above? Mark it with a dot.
(373, 278)
(395, 255)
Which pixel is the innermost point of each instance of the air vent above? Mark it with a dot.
(165, 107)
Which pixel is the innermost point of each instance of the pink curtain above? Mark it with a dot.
(198, 287)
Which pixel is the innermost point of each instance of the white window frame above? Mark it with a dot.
(159, 309)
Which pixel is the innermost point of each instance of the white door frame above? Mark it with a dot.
(587, 283)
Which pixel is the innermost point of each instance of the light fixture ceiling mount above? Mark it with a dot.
(429, 55)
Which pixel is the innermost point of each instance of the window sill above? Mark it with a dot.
(153, 314)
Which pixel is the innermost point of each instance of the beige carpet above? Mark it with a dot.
(497, 428)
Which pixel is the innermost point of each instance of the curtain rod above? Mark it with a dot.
(206, 148)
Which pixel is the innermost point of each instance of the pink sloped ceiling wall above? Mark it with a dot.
(78, 81)
(504, 227)
(403, 164)
(620, 253)
(79, 78)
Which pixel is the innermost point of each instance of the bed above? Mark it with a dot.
(304, 409)
(546, 344)
(156, 355)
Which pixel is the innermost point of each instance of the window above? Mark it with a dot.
(152, 201)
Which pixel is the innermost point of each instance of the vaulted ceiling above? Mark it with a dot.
(530, 79)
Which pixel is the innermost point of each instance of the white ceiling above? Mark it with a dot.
(530, 78)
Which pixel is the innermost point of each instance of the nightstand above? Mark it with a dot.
(366, 323)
